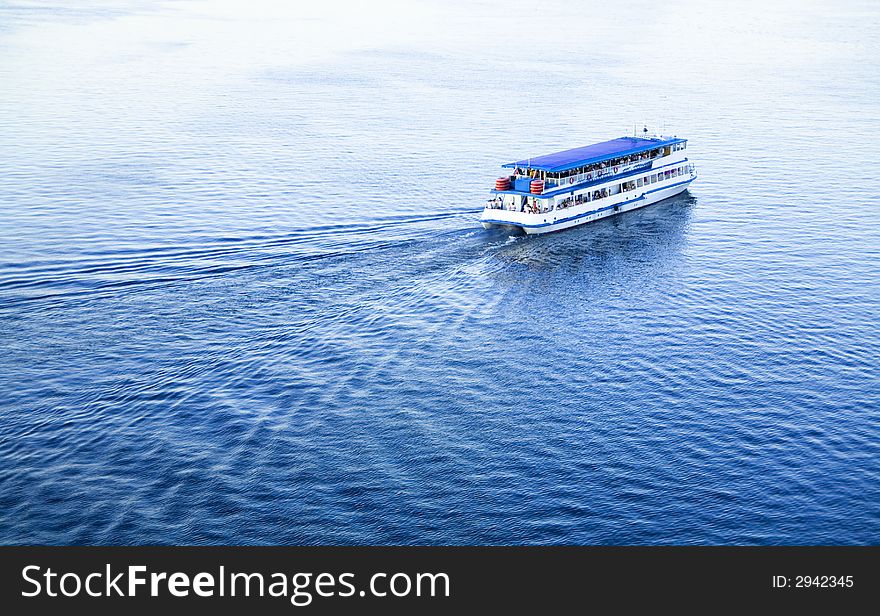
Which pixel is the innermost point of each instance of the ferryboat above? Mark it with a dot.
(577, 186)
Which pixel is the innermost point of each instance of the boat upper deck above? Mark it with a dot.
(598, 152)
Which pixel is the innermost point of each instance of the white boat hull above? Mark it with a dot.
(557, 220)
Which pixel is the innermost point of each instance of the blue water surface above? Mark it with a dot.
(245, 298)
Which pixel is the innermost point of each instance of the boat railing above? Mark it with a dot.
(550, 184)
(602, 172)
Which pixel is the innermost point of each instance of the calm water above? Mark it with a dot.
(244, 297)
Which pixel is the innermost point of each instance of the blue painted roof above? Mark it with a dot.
(578, 157)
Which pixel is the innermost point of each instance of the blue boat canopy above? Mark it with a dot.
(578, 157)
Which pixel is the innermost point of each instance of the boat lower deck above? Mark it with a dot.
(559, 219)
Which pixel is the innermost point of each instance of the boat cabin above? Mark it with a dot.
(589, 162)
